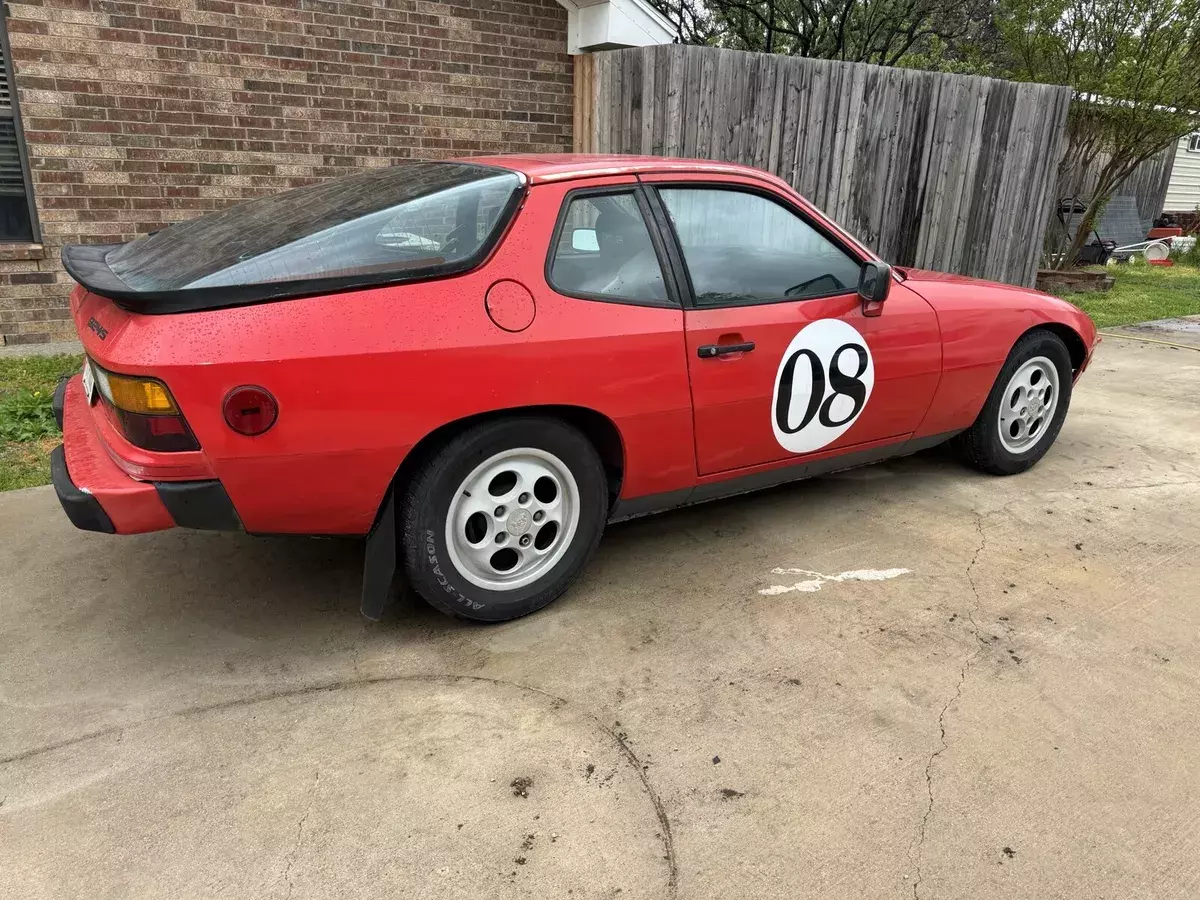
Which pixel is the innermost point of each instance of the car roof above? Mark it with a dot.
(550, 167)
(542, 168)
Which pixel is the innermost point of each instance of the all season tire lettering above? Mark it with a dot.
(430, 550)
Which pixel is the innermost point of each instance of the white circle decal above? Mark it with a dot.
(822, 386)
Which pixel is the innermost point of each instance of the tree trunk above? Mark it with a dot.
(1067, 260)
(1113, 173)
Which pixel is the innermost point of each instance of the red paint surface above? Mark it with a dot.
(362, 377)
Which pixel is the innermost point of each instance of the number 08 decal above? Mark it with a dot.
(822, 386)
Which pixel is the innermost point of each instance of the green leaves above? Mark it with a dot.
(26, 416)
(1139, 59)
(939, 33)
(1135, 69)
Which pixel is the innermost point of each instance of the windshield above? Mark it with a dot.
(411, 216)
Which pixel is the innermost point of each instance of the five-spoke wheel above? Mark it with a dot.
(1029, 403)
(512, 518)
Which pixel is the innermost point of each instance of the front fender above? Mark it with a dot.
(980, 322)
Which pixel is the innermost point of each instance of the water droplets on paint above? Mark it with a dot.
(813, 583)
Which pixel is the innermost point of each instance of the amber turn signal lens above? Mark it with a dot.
(143, 411)
(140, 395)
(250, 410)
(143, 396)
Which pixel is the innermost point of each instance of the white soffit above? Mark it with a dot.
(609, 24)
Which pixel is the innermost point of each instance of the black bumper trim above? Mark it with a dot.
(84, 510)
(203, 505)
(59, 401)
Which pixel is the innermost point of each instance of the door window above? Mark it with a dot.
(741, 247)
(603, 251)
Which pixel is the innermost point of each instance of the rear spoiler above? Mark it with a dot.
(87, 264)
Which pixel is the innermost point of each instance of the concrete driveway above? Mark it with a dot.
(1015, 715)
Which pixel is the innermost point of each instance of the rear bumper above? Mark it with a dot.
(60, 397)
(97, 495)
(81, 507)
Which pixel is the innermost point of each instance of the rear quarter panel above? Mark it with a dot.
(362, 376)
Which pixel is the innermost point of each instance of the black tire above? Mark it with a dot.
(981, 446)
(425, 506)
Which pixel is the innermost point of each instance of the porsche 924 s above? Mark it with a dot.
(479, 363)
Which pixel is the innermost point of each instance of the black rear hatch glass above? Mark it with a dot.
(404, 223)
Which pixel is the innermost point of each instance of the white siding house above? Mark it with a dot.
(1183, 191)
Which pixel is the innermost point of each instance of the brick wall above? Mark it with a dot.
(137, 114)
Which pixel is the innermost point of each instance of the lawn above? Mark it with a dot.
(1143, 292)
(27, 428)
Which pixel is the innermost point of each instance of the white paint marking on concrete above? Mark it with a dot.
(813, 584)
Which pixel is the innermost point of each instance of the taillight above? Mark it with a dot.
(250, 410)
(144, 411)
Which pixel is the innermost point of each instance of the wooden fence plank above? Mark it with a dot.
(672, 138)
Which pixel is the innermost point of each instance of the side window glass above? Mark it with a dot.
(604, 251)
(743, 248)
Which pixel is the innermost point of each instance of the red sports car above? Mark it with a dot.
(479, 363)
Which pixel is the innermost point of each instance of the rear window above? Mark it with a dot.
(413, 216)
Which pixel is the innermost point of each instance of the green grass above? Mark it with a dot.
(1143, 292)
(27, 428)
(25, 464)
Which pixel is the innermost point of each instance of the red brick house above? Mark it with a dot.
(118, 116)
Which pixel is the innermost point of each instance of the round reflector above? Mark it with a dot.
(250, 410)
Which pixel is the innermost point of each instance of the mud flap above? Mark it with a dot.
(379, 565)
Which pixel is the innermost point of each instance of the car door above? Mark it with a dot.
(784, 361)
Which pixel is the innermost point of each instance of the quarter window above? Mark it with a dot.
(744, 248)
(604, 252)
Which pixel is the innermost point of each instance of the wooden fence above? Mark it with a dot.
(947, 172)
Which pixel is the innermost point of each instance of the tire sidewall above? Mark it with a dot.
(427, 559)
(1051, 347)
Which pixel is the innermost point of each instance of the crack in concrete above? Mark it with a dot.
(941, 719)
(354, 684)
(1124, 487)
(291, 857)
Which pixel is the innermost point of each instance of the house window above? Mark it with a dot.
(1194, 142)
(18, 223)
